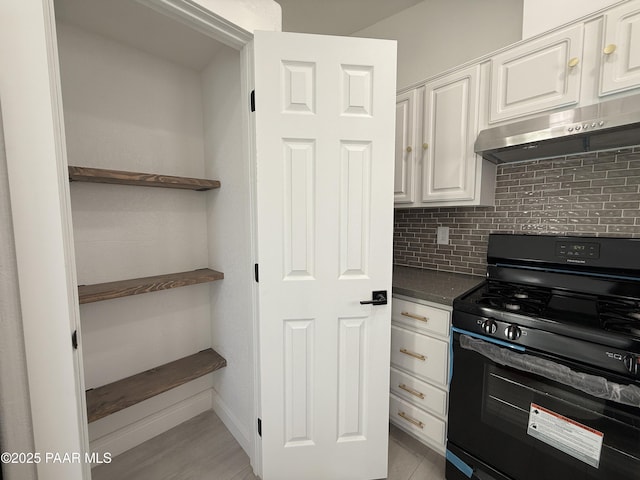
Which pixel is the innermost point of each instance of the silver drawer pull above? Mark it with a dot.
(418, 394)
(417, 423)
(414, 316)
(413, 354)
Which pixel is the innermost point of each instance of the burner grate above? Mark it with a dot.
(515, 298)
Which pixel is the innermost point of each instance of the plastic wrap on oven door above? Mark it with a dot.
(594, 385)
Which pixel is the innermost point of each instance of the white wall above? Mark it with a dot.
(437, 35)
(230, 243)
(542, 15)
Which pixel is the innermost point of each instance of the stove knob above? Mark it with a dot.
(512, 332)
(632, 362)
(489, 326)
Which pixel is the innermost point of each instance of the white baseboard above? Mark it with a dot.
(135, 433)
(233, 424)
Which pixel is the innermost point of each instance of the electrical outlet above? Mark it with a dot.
(443, 236)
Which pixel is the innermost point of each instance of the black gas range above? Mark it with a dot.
(546, 362)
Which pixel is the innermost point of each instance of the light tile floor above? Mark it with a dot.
(411, 460)
(203, 449)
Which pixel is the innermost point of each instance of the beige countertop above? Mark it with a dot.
(431, 285)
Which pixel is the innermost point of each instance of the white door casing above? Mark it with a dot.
(325, 148)
(40, 212)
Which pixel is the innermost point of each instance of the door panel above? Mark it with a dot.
(450, 128)
(548, 60)
(404, 189)
(324, 146)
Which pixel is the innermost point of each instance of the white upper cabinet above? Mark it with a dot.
(621, 49)
(436, 127)
(577, 65)
(450, 128)
(405, 152)
(538, 75)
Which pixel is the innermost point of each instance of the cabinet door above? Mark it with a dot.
(621, 50)
(537, 75)
(450, 128)
(324, 137)
(404, 185)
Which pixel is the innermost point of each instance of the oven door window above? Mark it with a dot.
(490, 417)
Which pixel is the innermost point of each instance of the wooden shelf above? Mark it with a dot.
(99, 175)
(136, 286)
(108, 399)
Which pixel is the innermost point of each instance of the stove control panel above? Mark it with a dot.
(577, 250)
(622, 362)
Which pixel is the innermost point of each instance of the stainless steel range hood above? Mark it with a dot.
(606, 125)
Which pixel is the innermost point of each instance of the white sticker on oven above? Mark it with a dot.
(569, 436)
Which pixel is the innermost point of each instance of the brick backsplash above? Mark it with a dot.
(595, 194)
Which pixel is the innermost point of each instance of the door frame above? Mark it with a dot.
(41, 213)
(36, 161)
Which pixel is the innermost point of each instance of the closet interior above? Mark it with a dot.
(160, 198)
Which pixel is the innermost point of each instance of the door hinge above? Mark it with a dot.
(255, 272)
(74, 339)
(260, 427)
(252, 101)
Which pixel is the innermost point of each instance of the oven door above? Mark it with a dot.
(507, 422)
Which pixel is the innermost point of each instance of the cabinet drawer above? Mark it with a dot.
(422, 356)
(418, 393)
(418, 422)
(421, 317)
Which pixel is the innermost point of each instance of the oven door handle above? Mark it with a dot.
(495, 341)
(593, 385)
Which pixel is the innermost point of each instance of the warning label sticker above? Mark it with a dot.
(573, 438)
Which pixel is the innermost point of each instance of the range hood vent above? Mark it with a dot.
(603, 126)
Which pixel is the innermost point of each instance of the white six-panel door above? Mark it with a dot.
(325, 157)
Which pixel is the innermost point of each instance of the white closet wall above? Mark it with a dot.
(230, 245)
